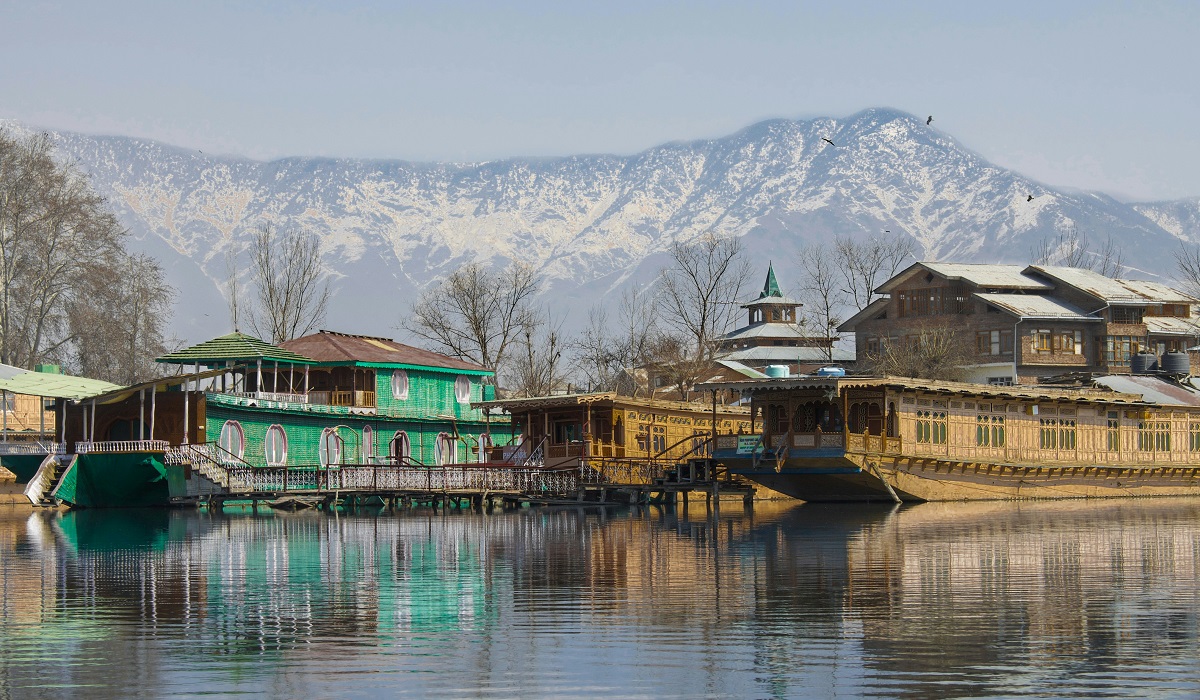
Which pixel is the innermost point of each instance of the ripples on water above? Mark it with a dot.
(966, 600)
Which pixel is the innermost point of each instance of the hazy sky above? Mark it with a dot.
(1093, 95)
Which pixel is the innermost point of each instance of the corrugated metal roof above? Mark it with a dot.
(979, 275)
(235, 347)
(788, 331)
(787, 355)
(1112, 290)
(8, 371)
(1036, 306)
(747, 372)
(58, 386)
(1168, 325)
(1019, 392)
(330, 346)
(1152, 389)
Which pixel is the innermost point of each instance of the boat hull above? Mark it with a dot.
(23, 467)
(115, 480)
(851, 477)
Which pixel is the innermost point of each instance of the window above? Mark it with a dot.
(330, 450)
(399, 448)
(368, 444)
(1154, 436)
(445, 450)
(1000, 381)
(9, 402)
(400, 385)
(1126, 314)
(1071, 342)
(275, 446)
(462, 389)
(1049, 433)
(931, 427)
(1117, 349)
(1114, 431)
(997, 342)
(1194, 437)
(989, 431)
(1066, 434)
(232, 439)
(1043, 342)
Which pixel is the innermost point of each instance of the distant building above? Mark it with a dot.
(773, 336)
(1027, 322)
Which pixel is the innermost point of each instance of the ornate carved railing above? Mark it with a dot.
(115, 446)
(279, 396)
(417, 479)
(32, 448)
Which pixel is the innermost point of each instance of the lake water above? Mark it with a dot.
(1064, 599)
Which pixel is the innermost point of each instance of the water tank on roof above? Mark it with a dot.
(777, 371)
(831, 372)
(1176, 363)
(1143, 363)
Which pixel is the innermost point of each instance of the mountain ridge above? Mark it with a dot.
(597, 223)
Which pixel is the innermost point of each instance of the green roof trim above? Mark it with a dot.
(235, 347)
(404, 366)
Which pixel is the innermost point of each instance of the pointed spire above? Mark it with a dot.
(771, 287)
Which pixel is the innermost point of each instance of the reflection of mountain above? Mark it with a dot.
(928, 600)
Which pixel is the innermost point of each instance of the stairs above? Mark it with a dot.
(40, 489)
(211, 463)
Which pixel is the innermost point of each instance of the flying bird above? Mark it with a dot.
(1029, 198)
(831, 143)
(929, 120)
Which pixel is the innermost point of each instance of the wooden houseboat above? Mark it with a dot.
(905, 440)
(612, 438)
(241, 405)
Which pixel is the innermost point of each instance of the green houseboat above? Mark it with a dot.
(240, 406)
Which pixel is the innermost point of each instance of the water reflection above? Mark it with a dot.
(1064, 599)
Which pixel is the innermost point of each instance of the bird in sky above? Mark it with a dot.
(929, 120)
(831, 143)
(1029, 198)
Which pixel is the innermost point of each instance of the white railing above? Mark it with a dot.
(32, 448)
(111, 446)
(412, 479)
(277, 396)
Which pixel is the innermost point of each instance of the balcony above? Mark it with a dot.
(348, 399)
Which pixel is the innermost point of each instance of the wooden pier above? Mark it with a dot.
(460, 486)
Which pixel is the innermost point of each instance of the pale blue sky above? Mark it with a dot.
(1094, 95)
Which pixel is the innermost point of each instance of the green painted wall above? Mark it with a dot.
(429, 394)
(304, 429)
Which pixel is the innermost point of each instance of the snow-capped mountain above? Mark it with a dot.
(593, 223)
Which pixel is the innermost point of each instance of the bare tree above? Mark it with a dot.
(477, 314)
(672, 359)
(292, 290)
(864, 266)
(1187, 267)
(933, 352)
(1070, 249)
(699, 294)
(537, 366)
(118, 322)
(63, 260)
(609, 349)
(822, 292)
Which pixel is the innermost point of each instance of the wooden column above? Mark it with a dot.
(154, 396)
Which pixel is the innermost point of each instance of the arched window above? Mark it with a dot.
(445, 451)
(233, 438)
(462, 389)
(400, 448)
(330, 451)
(275, 446)
(368, 444)
(400, 385)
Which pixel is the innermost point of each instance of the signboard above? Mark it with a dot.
(747, 444)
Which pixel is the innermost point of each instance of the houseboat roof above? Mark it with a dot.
(1036, 306)
(234, 347)
(56, 386)
(1015, 393)
(331, 347)
(784, 354)
(1113, 291)
(609, 397)
(1152, 389)
(979, 275)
